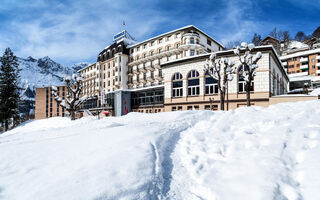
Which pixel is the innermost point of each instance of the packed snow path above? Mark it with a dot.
(250, 153)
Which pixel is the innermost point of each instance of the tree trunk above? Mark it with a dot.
(248, 93)
(73, 115)
(221, 101)
(6, 125)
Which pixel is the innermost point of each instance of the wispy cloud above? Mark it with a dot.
(75, 31)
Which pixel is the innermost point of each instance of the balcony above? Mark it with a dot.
(188, 46)
(304, 60)
(155, 56)
(284, 63)
(130, 73)
(318, 57)
(150, 78)
(298, 74)
(135, 80)
(157, 66)
(117, 83)
(150, 67)
(318, 64)
(158, 77)
(130, 84)
(135, 69)
(142, 68)
(305, 66)
(318, 71)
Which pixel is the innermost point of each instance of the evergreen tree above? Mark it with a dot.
(300, 36)
(9, 89)
(316, 33)
(256, 39)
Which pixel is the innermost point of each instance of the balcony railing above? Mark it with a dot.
(305, 66)
(298, 74)
(304, 60)
(318, 57)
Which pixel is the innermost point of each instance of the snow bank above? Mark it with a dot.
(315, 92)
(249, 153)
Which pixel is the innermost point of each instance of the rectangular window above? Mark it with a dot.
(179, 107)
(173, 108)
(208, 42)
(189, 108)
(191, 52)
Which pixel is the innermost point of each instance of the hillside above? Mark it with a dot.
(250, 153)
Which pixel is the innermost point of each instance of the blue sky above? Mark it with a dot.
(76, 31)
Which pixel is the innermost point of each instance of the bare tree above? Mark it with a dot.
(232, 44)
(249, 64)
(286, 38)
(73, 101)
(220, 69)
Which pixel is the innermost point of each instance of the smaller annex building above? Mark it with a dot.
(188, 86)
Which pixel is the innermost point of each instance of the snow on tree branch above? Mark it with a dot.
(248, 66)
(221, 69)
(72, 101)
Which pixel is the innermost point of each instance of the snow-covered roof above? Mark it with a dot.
(296, 44)
(179, 29)
(303, 53)
(86, 67)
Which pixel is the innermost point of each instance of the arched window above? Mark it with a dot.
(211, 84)
(177, 85)
(159, 50)
(241, 81)
(192, 40)
(193, 83)
(197, 41)
(168, 48)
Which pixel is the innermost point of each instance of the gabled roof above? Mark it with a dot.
(270, 37)
(170, 32)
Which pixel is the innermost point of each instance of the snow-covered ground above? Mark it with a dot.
(250, 153)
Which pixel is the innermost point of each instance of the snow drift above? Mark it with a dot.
(250, 153)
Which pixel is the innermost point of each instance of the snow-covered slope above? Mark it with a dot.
(250, 153)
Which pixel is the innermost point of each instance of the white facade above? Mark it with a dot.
(270, 78)
(146, 57)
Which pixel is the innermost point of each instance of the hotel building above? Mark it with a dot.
(166, 73)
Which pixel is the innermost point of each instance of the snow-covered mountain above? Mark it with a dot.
(42, 72)
(39, 73)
